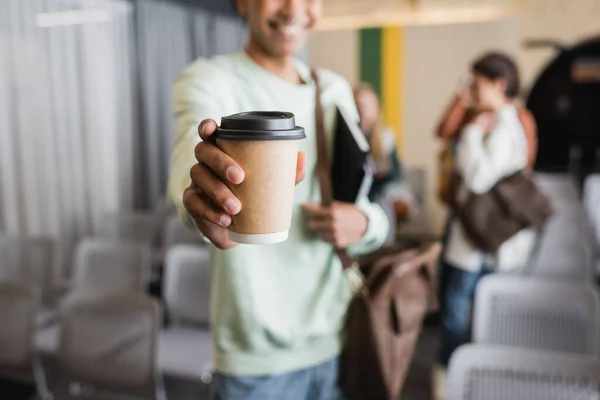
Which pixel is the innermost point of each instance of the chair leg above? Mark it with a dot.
(39, 377)
(206, 375)
(160, 392)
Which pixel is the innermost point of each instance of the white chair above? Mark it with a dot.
(139, 226)
(481, 372)
(18, 359)
(591, 204)
(105, 265)
(569, 258)
(563, 248)
(108, 346)
(109, 264)
(186, 345)
(561, 187)
(563, 192)
(536, 313)
(176, 233)
(36, 261)
(591, 194)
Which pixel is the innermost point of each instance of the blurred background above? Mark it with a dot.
(85, 87)
(86, 128)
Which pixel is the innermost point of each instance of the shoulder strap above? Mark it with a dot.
(323, 170)
(322, 159)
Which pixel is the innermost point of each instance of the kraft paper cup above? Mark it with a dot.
(265, 145)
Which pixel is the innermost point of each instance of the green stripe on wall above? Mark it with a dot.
(370, 58)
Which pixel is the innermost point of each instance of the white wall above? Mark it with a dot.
(338, 51)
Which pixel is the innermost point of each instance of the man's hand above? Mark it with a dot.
(208, 199)
(342, 224)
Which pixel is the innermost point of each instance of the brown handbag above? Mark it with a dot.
(513, 204)
(385, 315)
(447, 178)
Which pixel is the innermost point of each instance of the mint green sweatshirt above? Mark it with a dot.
(275, 308)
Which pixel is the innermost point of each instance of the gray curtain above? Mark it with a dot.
(169, 36)
(85, 106)
(66, 115)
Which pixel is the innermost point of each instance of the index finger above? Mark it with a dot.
(206, 129)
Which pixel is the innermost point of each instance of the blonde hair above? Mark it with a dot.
(376, 134)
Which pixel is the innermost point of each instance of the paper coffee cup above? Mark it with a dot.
(265, 145)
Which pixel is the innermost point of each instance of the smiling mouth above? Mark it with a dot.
(288, 31)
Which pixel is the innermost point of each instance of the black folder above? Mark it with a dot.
(351, 168)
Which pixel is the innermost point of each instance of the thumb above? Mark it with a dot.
(206, 129)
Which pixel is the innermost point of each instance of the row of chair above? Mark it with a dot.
(107, 342)
(490, 372)
(564, 245)
(537, 337)
(101, 267)
(159, 230)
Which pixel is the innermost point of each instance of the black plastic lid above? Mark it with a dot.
(259, 125)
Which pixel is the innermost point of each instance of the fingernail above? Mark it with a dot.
(225, 220)
(202, 127)
(235, 175)
(232, 206)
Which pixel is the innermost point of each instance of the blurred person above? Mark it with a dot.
(490, 146)
(383, 143)
(461, 110)
(277, 310)
(387, 182)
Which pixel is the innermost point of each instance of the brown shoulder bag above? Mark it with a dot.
(513, 204)
(385, 316)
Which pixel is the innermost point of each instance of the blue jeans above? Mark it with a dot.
(315, 383)
(457, 309)
(444, 269)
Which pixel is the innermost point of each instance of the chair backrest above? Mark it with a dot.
(108, 264)
(537, 313)
(591, 192)
(560, 187)
(138, 226)
(176, 233)
(18, 305)
(108, 340)
(591, 204)
(480, 372)
(35, 261)
(187, 284)
(562, 257)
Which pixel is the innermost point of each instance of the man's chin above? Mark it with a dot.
(288, 50)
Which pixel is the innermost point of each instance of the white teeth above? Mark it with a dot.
(290, 29)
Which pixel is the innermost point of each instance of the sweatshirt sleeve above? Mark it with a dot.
(377, 228)
(194, 99)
